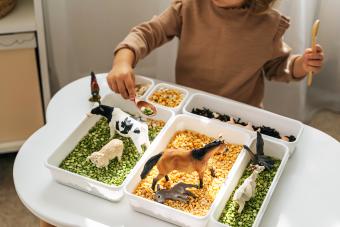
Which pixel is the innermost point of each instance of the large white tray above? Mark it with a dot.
(109, 192)
(183, 122)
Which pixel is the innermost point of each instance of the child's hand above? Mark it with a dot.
(313, 62)
(121, 79)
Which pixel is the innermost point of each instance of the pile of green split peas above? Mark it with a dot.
(230, 215)
(96, 138)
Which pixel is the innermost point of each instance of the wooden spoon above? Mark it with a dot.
(315, 31)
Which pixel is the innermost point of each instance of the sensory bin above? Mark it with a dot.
(221, 162)
(168, 97)
(141, 89)
(96, 138)
(205, 112)
(230, 215)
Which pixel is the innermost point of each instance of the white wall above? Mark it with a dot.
(82, 34)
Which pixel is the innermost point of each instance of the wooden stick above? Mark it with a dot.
(315, 31)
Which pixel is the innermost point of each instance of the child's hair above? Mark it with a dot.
(260, 6)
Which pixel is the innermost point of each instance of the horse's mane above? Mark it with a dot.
(199, 153)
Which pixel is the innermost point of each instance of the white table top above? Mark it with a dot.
(306, 195)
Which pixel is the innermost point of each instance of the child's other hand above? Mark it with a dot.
(313, 62)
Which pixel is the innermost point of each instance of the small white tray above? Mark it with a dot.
(184, 122)
(272, 149)
(144, 80)
(176, 109)
(259, 117)
(109, 192)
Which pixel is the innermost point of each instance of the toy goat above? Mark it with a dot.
(125, 125)
(247, 190)
(182, 160)
(259, 158)
(109, 151)
(178, 192)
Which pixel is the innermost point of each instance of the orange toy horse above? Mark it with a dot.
(182, 160)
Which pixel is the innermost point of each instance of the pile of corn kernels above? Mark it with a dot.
(222, 163)
(167, 97)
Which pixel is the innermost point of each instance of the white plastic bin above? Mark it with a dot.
(144, 80)
(257, 116)
(272, 149)
(176, 109)
(109, 192)
(184, 122)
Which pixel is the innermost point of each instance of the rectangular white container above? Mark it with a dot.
(109, 192)
(247, 113)
(272, 149)
(144, 80)
(176, 109)
(184, 122)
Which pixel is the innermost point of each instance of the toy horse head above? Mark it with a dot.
(103, 110)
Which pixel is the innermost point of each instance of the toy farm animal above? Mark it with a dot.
(247, 190)
(125, 125)
(109, 151)
(178, 192)
(182, 160)
(94, 89)
(259, 158)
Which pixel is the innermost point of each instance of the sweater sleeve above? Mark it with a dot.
(281, 66)
(147, 36)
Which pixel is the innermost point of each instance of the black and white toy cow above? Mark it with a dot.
(125, 125)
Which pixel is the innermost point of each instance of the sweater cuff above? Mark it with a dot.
(292, 65)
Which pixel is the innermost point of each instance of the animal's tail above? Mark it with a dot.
(149, 164)
(252, 156)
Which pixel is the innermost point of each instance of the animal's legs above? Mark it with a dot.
(155, 180)
(137, 144)
(241, 206)
(182, 198)
(189, 193)
(201, 175)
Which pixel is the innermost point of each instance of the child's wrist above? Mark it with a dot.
(298, 71)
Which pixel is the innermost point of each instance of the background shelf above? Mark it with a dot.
(21, 19)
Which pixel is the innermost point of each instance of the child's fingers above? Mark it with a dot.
(111, 82)
(130, 85)
(314, 63)
(114, 86)
(313, 69)
(318, 48)
(122, 88)
(319, 57)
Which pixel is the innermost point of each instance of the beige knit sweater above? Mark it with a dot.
(223, 51)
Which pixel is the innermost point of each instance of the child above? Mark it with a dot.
(226, 47)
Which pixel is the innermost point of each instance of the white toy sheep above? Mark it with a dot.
(125, 125)
(109, 151)
(247, 190)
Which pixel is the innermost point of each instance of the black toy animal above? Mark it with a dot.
(259, 158)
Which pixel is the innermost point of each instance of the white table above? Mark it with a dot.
(307, 193)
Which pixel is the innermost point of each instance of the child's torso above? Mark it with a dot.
(222, 51)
